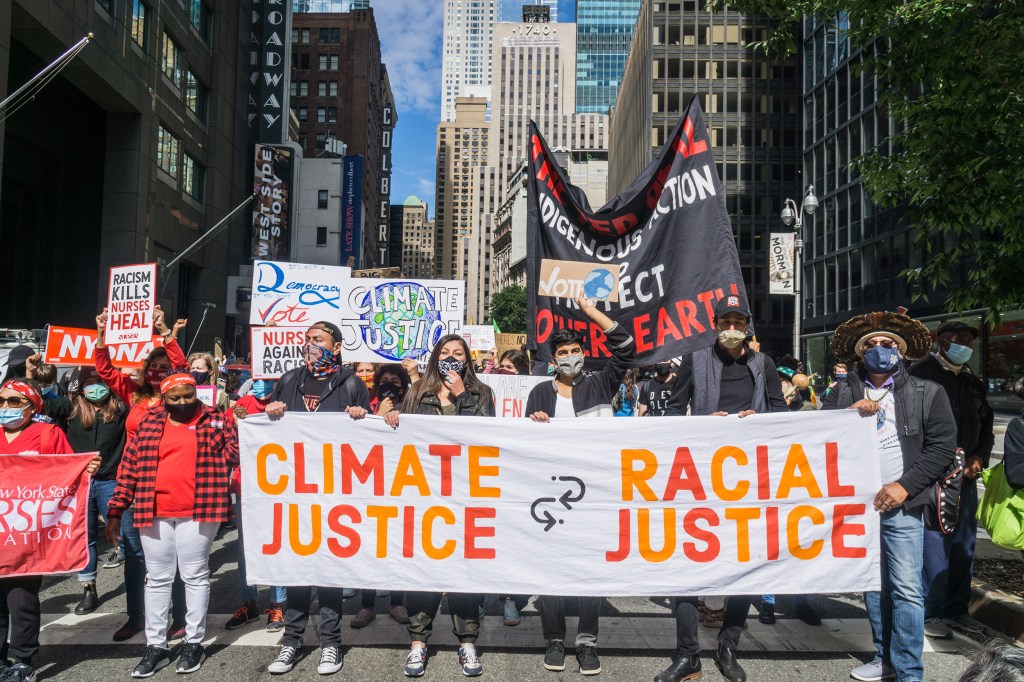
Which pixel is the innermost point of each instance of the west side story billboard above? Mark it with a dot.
(351, 211)
(272, 183)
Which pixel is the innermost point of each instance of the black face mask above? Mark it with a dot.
(663, 369)
(183, 412)
(386, 390)
(202, 378)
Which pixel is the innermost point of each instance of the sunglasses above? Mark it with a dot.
(14, 401)
(883, 344)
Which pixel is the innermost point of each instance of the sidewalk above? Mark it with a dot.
(992, 606)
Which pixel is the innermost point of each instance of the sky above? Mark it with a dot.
(410, 36)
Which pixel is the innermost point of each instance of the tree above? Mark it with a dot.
(950, 75)
(508, 309)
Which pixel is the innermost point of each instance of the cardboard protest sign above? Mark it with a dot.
(568, 279)
(479, 336)
(294, 294)
(207, 395)
(131, 301)
(510, 392)
(43, 504)
(378, 273)
(73, 346)
(275, 350)
(667, 236)
(388, 320)
(506, 342)
(771, 503)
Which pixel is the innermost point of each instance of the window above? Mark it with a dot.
(328, 62)
(321, 140)
(195, 96)
(321, 114)
(321, 196)
(171, 61)
(167, 151)
(303, 114)
(192, 176)
(105, 4)
(139, 10)
(199, 15)
(300, 36)
(321, 236)
(332, 114)
(300, 88)
(330, 36)
(300, 61)
(327, 89)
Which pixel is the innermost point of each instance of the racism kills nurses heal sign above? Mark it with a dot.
(130, 304)
(668, 233)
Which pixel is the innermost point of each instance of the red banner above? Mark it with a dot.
(72, 346)
(43, 503)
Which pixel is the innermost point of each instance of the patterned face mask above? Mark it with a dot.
(321, 361)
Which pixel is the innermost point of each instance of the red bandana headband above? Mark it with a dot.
(27, 390)
(176, 380)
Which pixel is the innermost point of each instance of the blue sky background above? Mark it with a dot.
(410, 35)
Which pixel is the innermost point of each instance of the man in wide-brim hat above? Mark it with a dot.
(916, 443)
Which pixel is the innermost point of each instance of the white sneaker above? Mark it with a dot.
(416, 662)
(331, 660)
(873, 671)
(285, 661)
(936, 629)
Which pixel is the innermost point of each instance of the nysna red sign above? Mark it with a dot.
(73, 346)
(43, 500)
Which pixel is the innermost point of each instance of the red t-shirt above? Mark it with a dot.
(135, 416)
(46, 439)
(252, 405)
(176, 470)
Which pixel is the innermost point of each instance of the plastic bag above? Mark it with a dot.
(1001, 510)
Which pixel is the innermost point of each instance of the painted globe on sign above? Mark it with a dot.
(598, 284)
(392, 311)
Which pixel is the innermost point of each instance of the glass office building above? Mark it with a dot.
(604, 29)
(512, 10)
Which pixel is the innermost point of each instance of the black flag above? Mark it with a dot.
(667, 237)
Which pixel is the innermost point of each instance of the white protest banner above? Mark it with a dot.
(389, 320)
(207, 395)
(275, 350)
(478, 336)
(294, 294)
(772, 503)
(131, 299)
(511, 392)
(780, 263)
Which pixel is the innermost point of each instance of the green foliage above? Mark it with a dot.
(508, 309)
(953, 80)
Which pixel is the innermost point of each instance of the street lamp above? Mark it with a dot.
(793, 215)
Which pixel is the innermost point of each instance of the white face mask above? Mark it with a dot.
(731, 338)
(570, 366)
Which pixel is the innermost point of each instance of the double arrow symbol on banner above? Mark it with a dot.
(566, 498)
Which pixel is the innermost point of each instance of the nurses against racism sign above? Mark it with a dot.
(778, 503)
(668, 234)
(43, 500)
(131, 301)
(275, 350)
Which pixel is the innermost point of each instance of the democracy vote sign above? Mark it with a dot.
(275, 350)
(43, 501)
(667, 234)
(511, 392)
(295, 294)
(389, 320)
(131, 301)
(772, 503)
(73, 346)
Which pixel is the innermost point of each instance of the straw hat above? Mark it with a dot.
(912, 337)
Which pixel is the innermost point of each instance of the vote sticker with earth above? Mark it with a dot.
(131, 302)
(569, 279)
(389, 320)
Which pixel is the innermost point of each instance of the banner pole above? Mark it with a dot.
(56, 62)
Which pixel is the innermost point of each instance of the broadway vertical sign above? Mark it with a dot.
(668, 234)
(268, 69)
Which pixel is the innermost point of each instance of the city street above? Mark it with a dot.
(637, 637)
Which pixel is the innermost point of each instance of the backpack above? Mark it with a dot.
(623, 407)
(942, 511)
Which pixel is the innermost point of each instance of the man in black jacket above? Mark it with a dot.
(574, 394)
(916, 444)
(949, 559)
(727, 378)
(321, 385)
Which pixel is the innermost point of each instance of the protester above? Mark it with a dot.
(174, 474)
(949, 559)
(656, 391)
(570, 395)
(207, 373)
(449, 387)
(791, 393)
(916, 436)
(514, 362)
(20, 400)
(839, 373)
(726, 379)
(45, 376)
(319, 385)
(627, 398)
(366, 371)
(16, 362)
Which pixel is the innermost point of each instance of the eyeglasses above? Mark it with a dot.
(887, 343)
(14, 401)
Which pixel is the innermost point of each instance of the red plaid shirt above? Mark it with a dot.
(217, 443)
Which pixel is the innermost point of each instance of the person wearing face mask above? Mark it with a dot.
(514, 362)
(570, 395)
(174, 476)
(449, 387)
(205, 371)
(728, 378)
(949, 559)
(916, 436)
(366, 371)
(322, 384)
(20, 399)
(839, 372)
(657, 390)
(16, 362)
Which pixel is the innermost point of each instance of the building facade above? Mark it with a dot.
(140, 146)
(511, 11)
(604, 29)
(466, 52)
(417, 239)
(752, 108)
(341, 95)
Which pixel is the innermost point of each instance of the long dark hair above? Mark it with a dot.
(398, 371)
(432, 382)
(87, 412)
(518, 358)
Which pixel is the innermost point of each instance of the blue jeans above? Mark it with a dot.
(798, 599)
(949, 560)
(100, 493)
(896, 613)
(279, 595)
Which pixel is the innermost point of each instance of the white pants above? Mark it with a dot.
(184, 545)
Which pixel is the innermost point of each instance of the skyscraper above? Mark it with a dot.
(511, 11)
(604, 29)
(466, 52)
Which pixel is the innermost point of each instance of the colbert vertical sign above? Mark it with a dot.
(269, 62)
(351, 210)
(384, 216)
(272, 180)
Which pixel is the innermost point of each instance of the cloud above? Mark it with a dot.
(410, 36)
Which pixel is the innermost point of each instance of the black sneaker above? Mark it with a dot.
(807, 614)
(586, 656)
(244, 614)
(554, 657)
(19, 672)
(115, 559)
(285, 661)
(156, 658)
(766, 614)
(191, 659)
